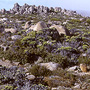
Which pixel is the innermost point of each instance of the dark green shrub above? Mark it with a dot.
(88, 21)
(8, 88)
(74, 21)
(84, 59)
(58, 59)
(63, 78)
(40, 71)
(55, 19)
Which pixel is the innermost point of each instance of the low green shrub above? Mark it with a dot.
(75, 21)
(55, 19)
(84, 59)
(57, 58)
(40, 71)
(88, 21)
(60, 77)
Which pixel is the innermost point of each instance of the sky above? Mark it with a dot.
(83, 5)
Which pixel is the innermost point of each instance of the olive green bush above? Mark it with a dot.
(40, 71)
(84, 59)
(63, 78)
(88, 21)
(58, 59)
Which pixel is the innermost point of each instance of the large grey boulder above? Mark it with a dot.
(39, 26)
(31, 9)
(45, 9)
(24, 9)
(16, 7)
(40, 9)
(61, 29)
(51, 9)
(57, 9)
(3, 11)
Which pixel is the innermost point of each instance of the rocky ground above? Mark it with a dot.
(44, 48)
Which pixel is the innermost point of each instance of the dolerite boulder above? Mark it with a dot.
(16, 7)
(32, 27)
(40, 25)
(31, 9)
(57, 9)
(15, 37)
(50, 65)
(41, 9)
(12, 30)
(3, 11)
(27, 24)
(61, 29)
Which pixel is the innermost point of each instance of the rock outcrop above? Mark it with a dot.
(61, 29)
(29, 9)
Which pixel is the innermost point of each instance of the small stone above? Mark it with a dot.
(73, 68)
(39, 60)
(15, 37)
(77, 86)
(30, 77)
(83, 67)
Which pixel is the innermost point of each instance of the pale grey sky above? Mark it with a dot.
(67, 4)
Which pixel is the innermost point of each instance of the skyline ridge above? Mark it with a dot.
(67, 4)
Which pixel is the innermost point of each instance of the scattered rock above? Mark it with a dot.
(12, 30)
(27, 24)
(73, 68)
(50, 65)
(77, 86)
(6, 63)
(83, 67)
(39, 60)
(30, 77)
(32, 27)
(15, 37)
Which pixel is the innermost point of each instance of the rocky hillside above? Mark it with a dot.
(44, 48)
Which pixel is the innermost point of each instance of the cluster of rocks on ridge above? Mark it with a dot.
(29, 9)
